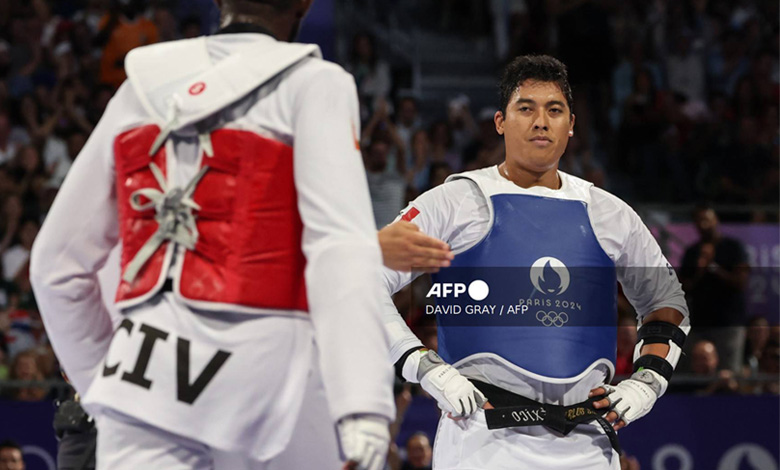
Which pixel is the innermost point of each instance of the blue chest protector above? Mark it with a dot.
(552, 287)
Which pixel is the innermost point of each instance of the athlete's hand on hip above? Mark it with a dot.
(406, 248)
(630, 399)
(453, 392)
(364, 441)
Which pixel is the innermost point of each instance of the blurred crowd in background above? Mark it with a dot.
(676, 102)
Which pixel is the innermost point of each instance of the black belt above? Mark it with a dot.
(511, 410)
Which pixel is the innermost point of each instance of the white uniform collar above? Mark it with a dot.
(178, 84)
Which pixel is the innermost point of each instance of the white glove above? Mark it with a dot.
(453, 392)
(634, 397)
(364, 440)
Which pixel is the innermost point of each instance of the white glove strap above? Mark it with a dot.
(653, 379)
(634, 397)
(411, 366)
(453, 392)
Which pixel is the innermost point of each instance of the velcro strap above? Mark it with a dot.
(399, 365)
(661, 332)
(655, 363)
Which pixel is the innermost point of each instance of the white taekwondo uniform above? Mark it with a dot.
(227, 168)
(579, 233)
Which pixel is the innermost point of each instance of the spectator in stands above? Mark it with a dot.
(10, 216)
(439, 172)
(770, 363)
(15, 258)
(90, 15)
(60, 163)
(4, 369)
(714, 274)
(756, 339)
(728, 62)
(25, 367)
(26, 56)
(747, 101)
(407, 122)
(418, 452)
(442, 148)
(463, 128)
(100, 98)
(704, 358)
(420, 153)
(740, 182)
(638, 138)
(624, 75)
(381, 127)
(11, 457)
(38, 120)
(191, 27)
(5, 63)
(123, 29)
(11, 138)
(629, 463)
(488, 147)
(372, 74)
(387, 188)
(403, 398)
(685, 68)
(28, 170)
(167, 29)
(704, 363)
(21, 327)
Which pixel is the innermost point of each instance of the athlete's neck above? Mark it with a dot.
(282, 26)
(527, 179)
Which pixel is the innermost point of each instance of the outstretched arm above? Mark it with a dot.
(414, 363)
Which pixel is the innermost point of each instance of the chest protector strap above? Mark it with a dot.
(176, 222)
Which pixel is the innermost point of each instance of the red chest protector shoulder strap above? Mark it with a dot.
(246, 251)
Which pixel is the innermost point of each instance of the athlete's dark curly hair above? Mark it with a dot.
(543, 68)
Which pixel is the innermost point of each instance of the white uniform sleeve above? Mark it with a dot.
(454, 213)
(648, 280)
(341, 247)
(76, 238)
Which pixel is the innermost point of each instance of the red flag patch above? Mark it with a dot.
(410, 214)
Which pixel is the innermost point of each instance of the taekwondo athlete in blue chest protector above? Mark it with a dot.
(527, 311)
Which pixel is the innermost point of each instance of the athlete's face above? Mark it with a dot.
(536, 126)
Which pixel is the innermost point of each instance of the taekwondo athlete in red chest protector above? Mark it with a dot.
(227, 168)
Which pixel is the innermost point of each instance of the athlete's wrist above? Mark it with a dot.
(408, 367)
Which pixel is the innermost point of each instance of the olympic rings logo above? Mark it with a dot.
(552, 318)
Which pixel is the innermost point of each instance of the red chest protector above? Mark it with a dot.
(248, 250)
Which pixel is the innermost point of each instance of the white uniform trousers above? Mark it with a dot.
(128, 444)
(469, 445)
